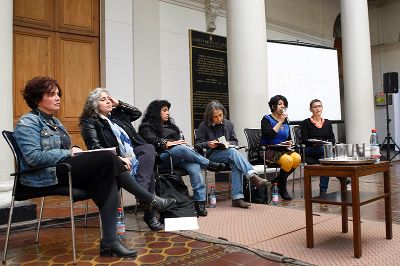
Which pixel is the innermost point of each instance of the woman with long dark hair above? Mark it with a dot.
(159, 129)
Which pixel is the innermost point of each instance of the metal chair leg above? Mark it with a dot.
(40, 220)
(8, 228)
(121, 201)
(86, 211)
(101, 227)
(206, 181)
(71, 206)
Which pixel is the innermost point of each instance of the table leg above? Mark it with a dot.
(308, 207)
(345, 215)
(388, 204)
(356, 216)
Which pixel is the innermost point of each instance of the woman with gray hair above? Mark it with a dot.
(214, 126)
(106, 122)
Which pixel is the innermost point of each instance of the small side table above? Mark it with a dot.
(346, 198)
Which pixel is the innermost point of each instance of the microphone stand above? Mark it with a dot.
(388, 137)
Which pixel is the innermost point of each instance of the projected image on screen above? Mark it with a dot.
(303, 73)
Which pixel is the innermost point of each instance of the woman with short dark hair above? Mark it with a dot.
(159, 129)
(43, 140)
(275, 130)
(317, 128)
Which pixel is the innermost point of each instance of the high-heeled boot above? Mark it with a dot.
(162, 204)
(282, 185)
(116, 248)
(151, 220)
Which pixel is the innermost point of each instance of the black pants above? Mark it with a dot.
(146, 155)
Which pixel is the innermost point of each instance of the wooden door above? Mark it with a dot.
(60, 39)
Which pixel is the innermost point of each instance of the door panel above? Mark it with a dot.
(78, 16)
(37, 13)
(77, 71)
(33, 56)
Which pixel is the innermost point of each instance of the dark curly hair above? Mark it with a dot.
(36, 88)
(273, 102)
(208, 113)
(152, 116)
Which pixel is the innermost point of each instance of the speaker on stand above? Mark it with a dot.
(390, 85)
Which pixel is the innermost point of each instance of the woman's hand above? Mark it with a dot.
(115, 102)
(127, 163)
(75, 149)
(213, 144)
(170, 144)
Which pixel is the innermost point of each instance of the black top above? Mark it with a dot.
(97, 133)
(310, 131)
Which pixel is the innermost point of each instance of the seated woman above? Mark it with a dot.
(43, 140)
(106, 122)
(159, 129)
(275, 130)
(214, 126)
(318, 128)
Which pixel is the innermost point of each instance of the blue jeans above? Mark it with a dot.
(239, 165)
(188, 159)
(314, 153)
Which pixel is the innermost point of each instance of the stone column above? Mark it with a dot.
(6, 99)
(357, 71)
(247, 63)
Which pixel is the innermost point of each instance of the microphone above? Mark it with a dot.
(287, 117)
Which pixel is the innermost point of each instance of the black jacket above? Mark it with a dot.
(204, 134)
(168, 132)
(97, 133)
(310, 131)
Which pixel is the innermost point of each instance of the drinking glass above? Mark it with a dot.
(340, 151)
(359, 151)
(328, 152)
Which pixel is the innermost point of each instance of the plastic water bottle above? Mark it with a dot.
(213, 198)
(181, 136)
(121, 233)
(375, 153)
(275, 197)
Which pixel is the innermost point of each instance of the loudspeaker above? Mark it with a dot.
(391, 82)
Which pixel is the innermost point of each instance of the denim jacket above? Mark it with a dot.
(39, 145)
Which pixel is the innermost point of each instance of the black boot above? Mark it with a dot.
(151, 220)
(162, 204)
(116, 248)
(200, 207)
(282, 189)
(213, 166)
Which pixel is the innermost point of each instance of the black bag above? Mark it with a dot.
(259, 195)
(172, 186)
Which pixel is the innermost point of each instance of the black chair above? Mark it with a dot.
(226, 170)
(21, 192)
(256, 155)
(300, 148)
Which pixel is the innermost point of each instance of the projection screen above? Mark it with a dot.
(302, 73)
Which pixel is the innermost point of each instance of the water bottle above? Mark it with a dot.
(121, 233)
(375, 153)
(181, 136)
(213, 198)
(275, 197)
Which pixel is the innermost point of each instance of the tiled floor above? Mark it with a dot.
(165, 248)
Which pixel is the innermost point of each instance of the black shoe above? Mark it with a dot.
(215, 167)
(200, 207)
(322, 192)
(284, 194)
(162, 204)
(116, 248)
(154, 224)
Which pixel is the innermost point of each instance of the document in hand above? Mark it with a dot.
(317, 141)
(113, 150)
(223, 144)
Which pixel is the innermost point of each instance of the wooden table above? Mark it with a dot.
(353, 198)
